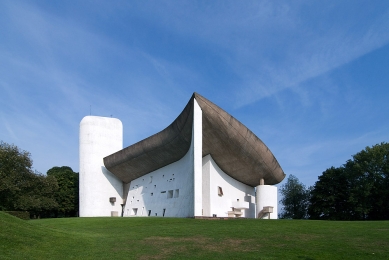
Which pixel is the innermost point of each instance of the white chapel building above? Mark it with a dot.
(205, 164)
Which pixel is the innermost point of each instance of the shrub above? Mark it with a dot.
(19, 214)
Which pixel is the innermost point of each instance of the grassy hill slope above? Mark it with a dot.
(170, 238)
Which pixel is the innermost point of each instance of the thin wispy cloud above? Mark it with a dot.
(318, 55)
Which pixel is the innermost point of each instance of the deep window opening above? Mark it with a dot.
(219, 191)
(170, 194)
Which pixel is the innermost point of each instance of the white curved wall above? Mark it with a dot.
(234, 192)
(149, 195)
(267, 196)
(99, 137)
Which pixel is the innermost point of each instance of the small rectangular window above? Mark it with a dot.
(219, 191)
(163, 191)
(152, 194)
(176, 193)
(149, 213)
(170, 194)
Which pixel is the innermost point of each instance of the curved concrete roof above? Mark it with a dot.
(236, 150)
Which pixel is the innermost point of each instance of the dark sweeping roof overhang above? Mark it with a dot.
(235, 149)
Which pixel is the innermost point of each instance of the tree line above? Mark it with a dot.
(23, 189)
(357, 190)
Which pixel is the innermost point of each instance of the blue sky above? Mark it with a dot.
(309, 78)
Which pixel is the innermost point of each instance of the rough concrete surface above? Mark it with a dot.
(235, 149)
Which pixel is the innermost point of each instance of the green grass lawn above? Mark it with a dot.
(174, 238)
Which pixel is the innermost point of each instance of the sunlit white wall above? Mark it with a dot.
(234, 192)
(267, 196)
(99, 137)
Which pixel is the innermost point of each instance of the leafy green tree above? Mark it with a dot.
(329, 196)
(20, 187)
(358, 190)
(295, 199)
(37, 196)
(370, 189)
(67, 194)
(15, 170)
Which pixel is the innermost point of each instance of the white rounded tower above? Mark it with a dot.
(266, 202)
(100, 191)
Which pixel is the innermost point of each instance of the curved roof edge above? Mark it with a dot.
(236, 150)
